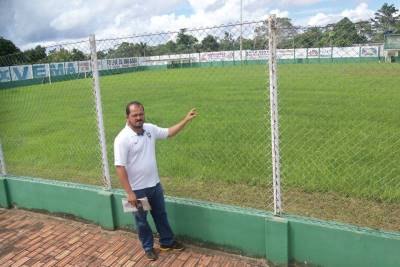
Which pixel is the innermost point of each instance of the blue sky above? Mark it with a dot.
(28, 23)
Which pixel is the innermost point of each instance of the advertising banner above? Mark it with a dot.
(285, 53)
(216, 56)
(20, 73)
(313, 53)
(37, 71)
(301, 53)
(118, 63)
(325, 52)
(84, 66)
(71, 67)
(5, 75)
(257, 54)
(57, 69)
(340, 52)
(369, 51)
(40, 71)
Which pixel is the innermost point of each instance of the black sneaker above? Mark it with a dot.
(151, 255)
(175, 246)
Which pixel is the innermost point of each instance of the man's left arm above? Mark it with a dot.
(172, 131)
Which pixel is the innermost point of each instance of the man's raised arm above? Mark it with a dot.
(172, 131)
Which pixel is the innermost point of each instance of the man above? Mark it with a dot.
(136, 166)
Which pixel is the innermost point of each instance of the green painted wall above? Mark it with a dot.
(247, 231)
(327, 244)
(4, 199)
(276, 240)
(233, 228)
(87, 202)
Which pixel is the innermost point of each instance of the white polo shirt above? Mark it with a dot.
(137, 154)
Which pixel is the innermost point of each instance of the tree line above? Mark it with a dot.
(343, 33)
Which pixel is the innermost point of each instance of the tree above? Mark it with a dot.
(7, 47)
(77, 55)
(285, 34)
(8, 52)
(59, 55)
(101, 55)
(340, 34)
(163, 49)
(125, 49)
(143, 47)
(227, 43)
(312, 37)
(386, 19)
(35, 55)
(185, 42)
(170, 47)
(345, 34)
(209, 43)
(364, 30)
(247, 44)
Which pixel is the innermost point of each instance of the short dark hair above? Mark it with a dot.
(133, 103)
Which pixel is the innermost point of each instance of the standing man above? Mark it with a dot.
(135, 162)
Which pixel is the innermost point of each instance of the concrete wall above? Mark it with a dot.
(246, 231)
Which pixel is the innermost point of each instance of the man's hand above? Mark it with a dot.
(192, 113)
(132, 199)
(180, 125)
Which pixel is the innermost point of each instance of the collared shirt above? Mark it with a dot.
(138, 155)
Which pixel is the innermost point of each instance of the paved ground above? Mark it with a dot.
(33, 239)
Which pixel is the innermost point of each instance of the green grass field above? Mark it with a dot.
(339, 127)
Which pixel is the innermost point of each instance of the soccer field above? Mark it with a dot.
(339, 126)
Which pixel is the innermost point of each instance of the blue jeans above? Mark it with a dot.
(155, 196)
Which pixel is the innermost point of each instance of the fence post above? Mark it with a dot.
(3, 171)
(273, 96)
(99, 112)
(49, 73)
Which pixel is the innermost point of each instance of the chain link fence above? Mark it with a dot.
(339, 127)
(224, 154)
(48, 116)
(334, 148)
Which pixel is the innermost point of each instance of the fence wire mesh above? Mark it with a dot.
(337, 102)
(339, 126)
(224, 154)
(48, 119)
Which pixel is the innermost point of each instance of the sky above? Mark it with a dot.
(45, 22)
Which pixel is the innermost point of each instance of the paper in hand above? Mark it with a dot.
(142, 203)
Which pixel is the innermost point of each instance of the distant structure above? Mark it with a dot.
(392, 48)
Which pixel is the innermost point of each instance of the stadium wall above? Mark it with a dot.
(13, 76)
(34, 81)
(282, 240)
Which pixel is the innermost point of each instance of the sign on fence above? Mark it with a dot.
(25, 72)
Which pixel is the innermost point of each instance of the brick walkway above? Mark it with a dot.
(33, 239)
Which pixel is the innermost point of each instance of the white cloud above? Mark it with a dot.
(71, 19)
(279, 13)
(300, 2)
(361, 12)
(323, 19)
(227, 13)
(201, 5)
(39, 21)
(44, 21)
